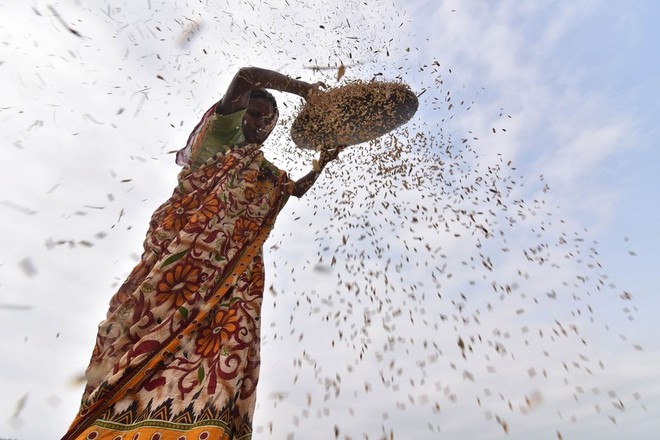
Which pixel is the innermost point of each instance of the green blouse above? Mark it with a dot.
(224, 131)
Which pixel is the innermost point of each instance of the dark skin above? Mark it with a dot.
(260, 116)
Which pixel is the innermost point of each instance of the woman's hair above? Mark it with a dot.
(265, 94)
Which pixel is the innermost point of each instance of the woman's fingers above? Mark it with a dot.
(317, 87)
(330, 153)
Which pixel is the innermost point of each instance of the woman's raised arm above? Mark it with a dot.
(247, 79)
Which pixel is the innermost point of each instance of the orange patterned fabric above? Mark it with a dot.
(178, 354)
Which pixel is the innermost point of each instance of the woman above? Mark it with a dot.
(178, 354)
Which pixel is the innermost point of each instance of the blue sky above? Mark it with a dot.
(88, 124)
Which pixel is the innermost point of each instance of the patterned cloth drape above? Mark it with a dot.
(178, 354)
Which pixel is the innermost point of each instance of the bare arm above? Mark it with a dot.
(302, 185)
(247, 79)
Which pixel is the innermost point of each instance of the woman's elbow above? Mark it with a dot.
(246, 73)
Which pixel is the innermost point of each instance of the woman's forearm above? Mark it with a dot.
(302, 185)
(305, 183)
(269, 79)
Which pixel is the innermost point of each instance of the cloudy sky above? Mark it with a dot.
(561, 97)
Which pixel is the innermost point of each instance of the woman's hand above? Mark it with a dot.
(329, 154)
(313, 89)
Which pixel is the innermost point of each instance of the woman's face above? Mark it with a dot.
(259, 121)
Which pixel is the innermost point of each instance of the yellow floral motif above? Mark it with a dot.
(179, 283)
(244, 229)
(178, 215)
(216, 335)
(210, 207)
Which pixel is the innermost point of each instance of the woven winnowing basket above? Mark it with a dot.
(354, 113)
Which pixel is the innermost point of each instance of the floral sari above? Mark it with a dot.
(178, 354)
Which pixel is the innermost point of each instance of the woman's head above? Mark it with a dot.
(260, 116)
